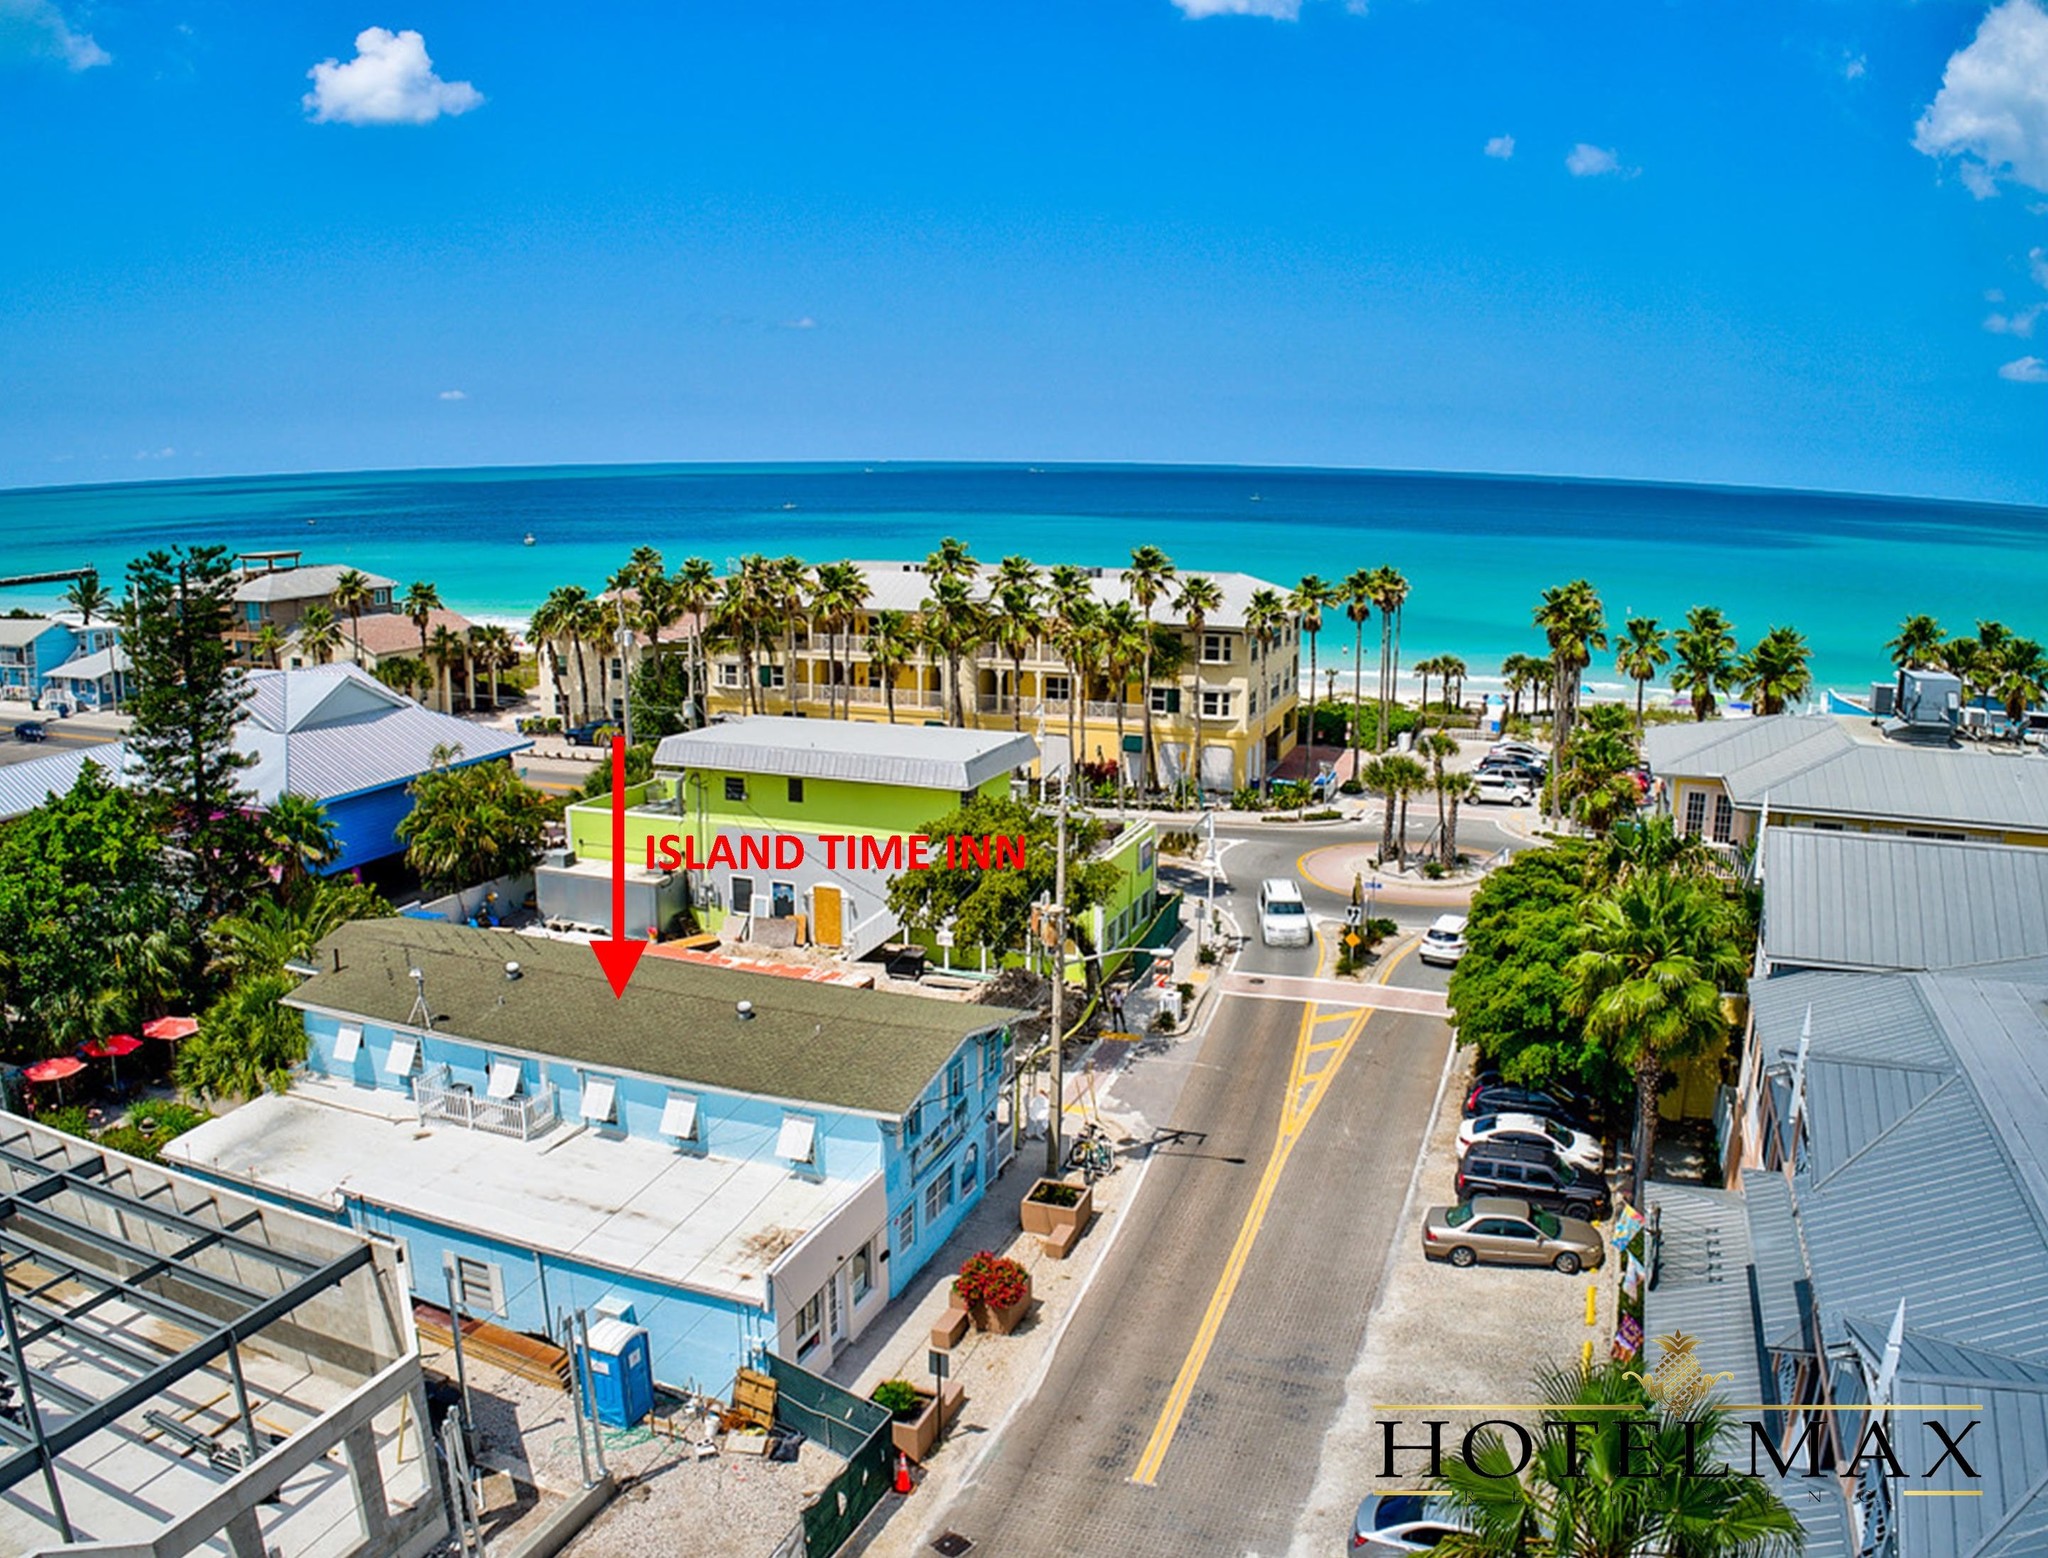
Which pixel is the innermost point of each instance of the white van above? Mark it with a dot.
(1283, 917)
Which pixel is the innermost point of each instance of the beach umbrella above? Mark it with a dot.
(171, 1028)
(111, 1049)
(55, 1069)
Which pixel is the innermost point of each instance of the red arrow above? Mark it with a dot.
(618, 955)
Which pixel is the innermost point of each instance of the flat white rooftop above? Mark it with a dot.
(714, 1225)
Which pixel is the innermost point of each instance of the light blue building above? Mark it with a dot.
(32, 648)
(749, 1162)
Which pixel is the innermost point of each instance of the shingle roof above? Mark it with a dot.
(1882, 901)
(313, 581)
(813, 1043)
(923, 756)
(388, 633)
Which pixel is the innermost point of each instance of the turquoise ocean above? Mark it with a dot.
(1843, 570)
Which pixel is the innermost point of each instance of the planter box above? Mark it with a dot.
(915, 1436)
(1003, 1321)
(1043, 1218)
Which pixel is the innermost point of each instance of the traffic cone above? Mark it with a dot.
(902, 1472)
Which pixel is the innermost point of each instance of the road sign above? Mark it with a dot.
(1352, 938)
(940, 1360)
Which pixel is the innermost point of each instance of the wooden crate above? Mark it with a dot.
(753, 1398)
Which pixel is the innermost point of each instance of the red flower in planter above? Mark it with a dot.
(991, 1281)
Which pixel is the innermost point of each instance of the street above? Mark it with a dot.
(1187, 1404)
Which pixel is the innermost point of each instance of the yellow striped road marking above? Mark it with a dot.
(1305, 1092)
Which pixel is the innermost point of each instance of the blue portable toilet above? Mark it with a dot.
(621, 1372)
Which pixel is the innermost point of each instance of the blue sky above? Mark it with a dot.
(1737, 242)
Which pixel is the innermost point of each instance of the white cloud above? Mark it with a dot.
(390, 81)
(37, 30)
(805, 323)
(165, 453)
(1279, 10)
(1855, 67)
(2019, 322)
(455, 394)
(1586, 161)
(1501, 146)
(2025, 370)
(1991, 113)
(2037, 265)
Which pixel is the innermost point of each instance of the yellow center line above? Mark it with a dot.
(1305, 1093)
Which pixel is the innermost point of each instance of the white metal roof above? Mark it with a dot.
(927, 757)
(314, 581)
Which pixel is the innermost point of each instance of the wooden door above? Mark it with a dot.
(826, 929)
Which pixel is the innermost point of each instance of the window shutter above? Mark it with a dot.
(1173, 700)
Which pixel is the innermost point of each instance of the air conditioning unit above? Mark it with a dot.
(558, 858)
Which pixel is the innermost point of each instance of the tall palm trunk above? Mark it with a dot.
(582, 679)
(1309, 765)
(1401, 833)
(1450, 838)
(1150, 775)
(1194, 771)
(1385, 732)
(1357, 690)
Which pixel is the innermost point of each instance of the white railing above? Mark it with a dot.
(437, 1096)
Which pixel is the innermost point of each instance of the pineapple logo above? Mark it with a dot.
(1679, 1383)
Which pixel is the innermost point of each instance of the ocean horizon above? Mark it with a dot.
(1844, 569)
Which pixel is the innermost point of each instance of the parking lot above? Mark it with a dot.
(1442, 1338)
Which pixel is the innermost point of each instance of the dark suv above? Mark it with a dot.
(1535, 1174)
(1493, 1096)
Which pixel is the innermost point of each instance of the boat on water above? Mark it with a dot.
(529, 539)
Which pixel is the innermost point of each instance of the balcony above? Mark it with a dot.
(437, 1096)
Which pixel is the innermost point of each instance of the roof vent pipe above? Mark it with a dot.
(745, 1009)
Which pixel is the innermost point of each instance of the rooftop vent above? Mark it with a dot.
(745, 1011)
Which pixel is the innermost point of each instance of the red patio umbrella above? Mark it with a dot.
(170, 1028)
(113, 1046)
(55, 1069)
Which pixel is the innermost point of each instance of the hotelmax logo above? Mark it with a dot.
(849, 851)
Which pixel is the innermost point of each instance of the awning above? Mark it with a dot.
(113, 1045)
(55, 1069)
(598, 1094)
(504, 1078)
(172, 1028)
(798, 1138)
(679, 1116)
(347, 1042)
(405, 1049)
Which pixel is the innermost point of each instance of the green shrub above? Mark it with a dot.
(1327, 814)
(71, 1120)
(1351, 787)
(899, 1397)
(1056, 1193)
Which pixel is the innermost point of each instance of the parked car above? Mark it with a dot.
(1490, 1095)
(1444, 942)
(31, 730)
(1527, 751)
(1493, 787)
(1536, 1174)
(1581, 1149)
(585, 735)
(1509, 1231)
(1402, 1523)
(1283, 918)
(1515, 768)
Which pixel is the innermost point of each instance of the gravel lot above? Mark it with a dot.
(1443, 1335)
(668, 1503)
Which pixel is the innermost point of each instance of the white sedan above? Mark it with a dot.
(1575, 1147)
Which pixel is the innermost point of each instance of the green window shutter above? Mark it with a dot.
(1173, 700)
(763, 671)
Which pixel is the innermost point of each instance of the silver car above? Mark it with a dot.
(1508, 1231)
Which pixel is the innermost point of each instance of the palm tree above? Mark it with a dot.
(1307, 601)
(493, 649)
(1410, 779)
(1641, 656)
(1124, 645)
(247, 1041)
(1015, 623)
(1070, 597)
(952, 560)
(419, 603)
(351, 598)
(1356, 595)
(554, 624)
(88, 597)
(892, 642)
(2019, 677)
(1963, 658)
(402, 673)
(735, 622)
(1197, 596)
(836, 601)
(1657, 952)
(1455, 788)
(1439, 747)
(1706, 658)
(1148, 579)
(1918, 643)
(1390, 594)
(952, 623)
(269, 645)
(789, 590)
(1433, 666)
(1265, 624)
(693, 587)
(448, 651)
(1583, 1492)
(1453, 672)
(298, 834)
(1775, 672)
(319, 637)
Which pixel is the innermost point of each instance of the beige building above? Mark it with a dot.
(1247, 689)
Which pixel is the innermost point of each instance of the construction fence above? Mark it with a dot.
(848, 1426)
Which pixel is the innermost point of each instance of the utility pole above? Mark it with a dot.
(1209, 910)
(1057, 916)
(626, 667)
